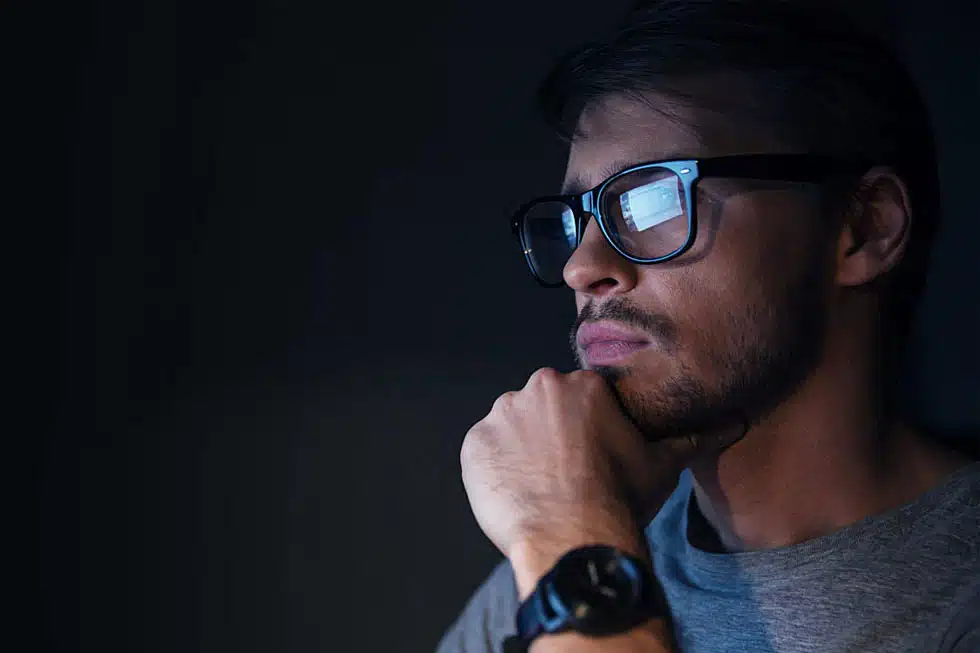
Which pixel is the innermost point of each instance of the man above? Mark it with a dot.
(748, 205)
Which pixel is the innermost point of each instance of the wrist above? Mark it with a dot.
(533, 557)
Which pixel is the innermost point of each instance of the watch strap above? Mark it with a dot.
(514, 644)
(532, 620)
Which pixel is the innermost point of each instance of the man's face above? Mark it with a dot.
(735, 324)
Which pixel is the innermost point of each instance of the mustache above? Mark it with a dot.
(660, 327)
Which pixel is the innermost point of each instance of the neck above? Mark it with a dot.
(825, 459)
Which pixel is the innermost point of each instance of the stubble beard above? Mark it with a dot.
(765, 354)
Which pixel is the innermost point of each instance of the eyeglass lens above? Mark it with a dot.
(645, 213)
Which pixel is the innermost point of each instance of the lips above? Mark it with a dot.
(607, 344)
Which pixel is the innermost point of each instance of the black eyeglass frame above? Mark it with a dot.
(770, 167)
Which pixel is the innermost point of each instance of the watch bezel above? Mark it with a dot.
(595, 620)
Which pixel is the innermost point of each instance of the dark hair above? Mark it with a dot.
(808, 73)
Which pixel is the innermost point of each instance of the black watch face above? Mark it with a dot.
(600, 589)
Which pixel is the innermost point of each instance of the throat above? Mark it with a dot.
(773, 508)
(700, 533)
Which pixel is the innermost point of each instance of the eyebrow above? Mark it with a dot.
(578, 185)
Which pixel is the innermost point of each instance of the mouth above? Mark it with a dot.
(611, 352)
(605, 343)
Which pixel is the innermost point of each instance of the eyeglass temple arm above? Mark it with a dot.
(780, 167)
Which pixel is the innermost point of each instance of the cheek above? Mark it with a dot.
(735, 276)
(756, 244)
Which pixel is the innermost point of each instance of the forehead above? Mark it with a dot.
(619, 132)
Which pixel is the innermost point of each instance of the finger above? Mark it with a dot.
(543, 375)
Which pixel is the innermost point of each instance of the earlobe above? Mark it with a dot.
(875, 229)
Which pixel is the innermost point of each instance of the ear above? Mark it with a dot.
(875, 229)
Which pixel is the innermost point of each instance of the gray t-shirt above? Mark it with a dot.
(906, 580)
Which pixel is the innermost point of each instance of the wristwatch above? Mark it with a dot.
(594, 590)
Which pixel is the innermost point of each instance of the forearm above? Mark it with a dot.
(652, 637)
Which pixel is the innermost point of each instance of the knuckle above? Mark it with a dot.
(472, 445)
(479, 448)
(544, 374)
(504, 400)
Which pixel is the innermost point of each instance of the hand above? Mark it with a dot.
(559, 464)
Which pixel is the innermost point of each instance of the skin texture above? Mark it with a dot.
(763, 377)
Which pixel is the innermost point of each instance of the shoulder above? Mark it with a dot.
(963, 634)
(488, 616)
(957, 543)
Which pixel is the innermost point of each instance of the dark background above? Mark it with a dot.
(267, 285)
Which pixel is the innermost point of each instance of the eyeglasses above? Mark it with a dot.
(647, 212)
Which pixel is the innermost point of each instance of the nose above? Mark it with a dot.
(595, 268)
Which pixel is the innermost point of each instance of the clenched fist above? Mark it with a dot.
(558, 464)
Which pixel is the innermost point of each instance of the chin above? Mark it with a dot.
(664, 405)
